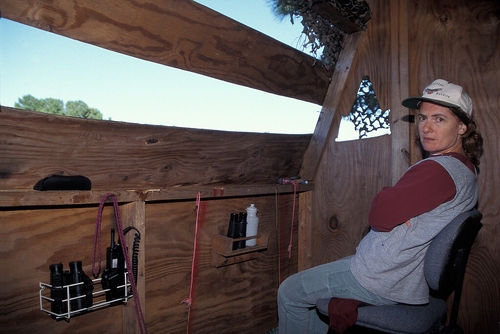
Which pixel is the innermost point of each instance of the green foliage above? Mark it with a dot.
(281, 9)
(54, 106)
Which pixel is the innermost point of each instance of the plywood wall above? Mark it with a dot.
(460, 41)
(454, 40)
(40, 228)
(236, 298)
(33, 239)
(407, 44)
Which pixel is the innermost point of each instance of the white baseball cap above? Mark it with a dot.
(446, 94)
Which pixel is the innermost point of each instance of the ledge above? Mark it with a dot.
(224, 255)
(20, 198)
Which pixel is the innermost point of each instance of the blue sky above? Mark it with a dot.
(127, 89)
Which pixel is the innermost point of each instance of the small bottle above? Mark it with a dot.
(252, 224)
(242, 229)
(232, 228)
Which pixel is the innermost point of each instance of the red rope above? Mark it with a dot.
(189, 300)
(97, 249)
(97, 242)
(294, 183)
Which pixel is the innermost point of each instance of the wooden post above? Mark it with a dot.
(323, 132)
(400, 134)
(134, 214)
(305, 231)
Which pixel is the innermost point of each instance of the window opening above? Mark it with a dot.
(366, 119)
(129, 89)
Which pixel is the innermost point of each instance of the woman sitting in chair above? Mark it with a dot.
(388, 265)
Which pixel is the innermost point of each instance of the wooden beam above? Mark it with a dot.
(180, 34)
(118, 155)
(323, 131)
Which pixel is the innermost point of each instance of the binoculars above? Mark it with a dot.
(79, 285)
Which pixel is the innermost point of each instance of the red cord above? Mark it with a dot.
(97, 242)
(97, 246)
(189, 300)
(293, 218)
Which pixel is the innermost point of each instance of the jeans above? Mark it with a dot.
(297, 296)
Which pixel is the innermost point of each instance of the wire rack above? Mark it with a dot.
(99, 299)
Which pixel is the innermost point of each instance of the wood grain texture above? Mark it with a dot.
(181, 34)
(460, 41)
(324, 130)
(134, 214)
(305, 230)
(343, 198)
(31, 241)
(351, 173)
(455, 40)
(400, 133)
(237, 298)
(30, 198)
(117, 155)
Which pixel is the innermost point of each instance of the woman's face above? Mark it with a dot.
(440, 129)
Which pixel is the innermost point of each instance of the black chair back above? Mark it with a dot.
(447, 255)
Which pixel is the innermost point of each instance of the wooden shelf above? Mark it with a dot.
(16, 198)
(224, 255)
